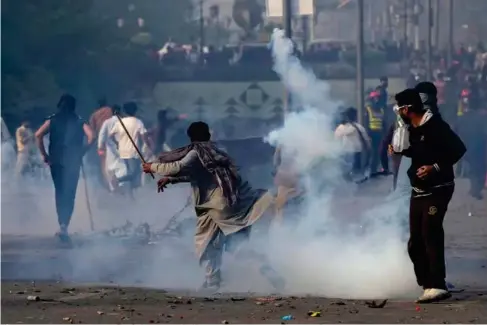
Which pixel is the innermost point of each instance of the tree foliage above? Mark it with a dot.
(75, 45)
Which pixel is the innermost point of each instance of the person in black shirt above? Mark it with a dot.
(434, 149)
(66, 149)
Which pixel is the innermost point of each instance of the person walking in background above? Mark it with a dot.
(157, 135)
(356, 143)
(383, 92)
(107, 150)
(130, 177)
(66, 149)
(24, 137)
(375, 124)
(101, 114)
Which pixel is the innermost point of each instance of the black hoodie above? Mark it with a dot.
(433, 143)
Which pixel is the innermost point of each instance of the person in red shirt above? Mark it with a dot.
(103, 113)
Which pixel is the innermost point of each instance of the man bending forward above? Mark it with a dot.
(226, 206)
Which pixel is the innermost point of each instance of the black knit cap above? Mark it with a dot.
(426, 87)
(410, 97)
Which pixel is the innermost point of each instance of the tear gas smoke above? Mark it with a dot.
(341, 248)
(29, 221)
(344, 246)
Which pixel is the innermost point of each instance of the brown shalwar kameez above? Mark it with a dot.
(219, 225)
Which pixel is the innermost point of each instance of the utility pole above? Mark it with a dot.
(437, 23)
(416, 24)
(450, 32)
(287, 16)
(429, 42)
(406, 40)
(202, 28)
(360, 64)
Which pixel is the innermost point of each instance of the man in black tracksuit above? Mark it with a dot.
(434, 149)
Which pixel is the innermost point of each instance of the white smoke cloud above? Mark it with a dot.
(343, 246)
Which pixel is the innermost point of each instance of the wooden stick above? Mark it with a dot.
(88, 205)
(133, 143)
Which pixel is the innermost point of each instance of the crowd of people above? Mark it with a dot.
(466, 114)
(227, 206)
(471, 58)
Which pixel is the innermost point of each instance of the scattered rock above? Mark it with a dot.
(259, 303)
(175, 301)
(338, 303)
(209, 299)
(237, 298)
(33, 298)
(277, 304)
(100, 313)
(225, 322)
(373, 304)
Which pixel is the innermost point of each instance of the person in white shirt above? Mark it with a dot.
(355, 142)
(107, 149)
(130, 178)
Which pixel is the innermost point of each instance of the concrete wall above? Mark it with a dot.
(238, 110)
(212, 100)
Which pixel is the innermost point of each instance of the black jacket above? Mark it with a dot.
(433, 143)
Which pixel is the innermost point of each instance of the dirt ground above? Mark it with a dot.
(25, 259)
(60, 303)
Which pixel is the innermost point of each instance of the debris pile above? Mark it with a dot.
(144, 234)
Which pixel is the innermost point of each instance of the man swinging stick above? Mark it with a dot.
(226, 206)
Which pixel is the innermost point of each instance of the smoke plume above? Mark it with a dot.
(345, 245)
(342, 245)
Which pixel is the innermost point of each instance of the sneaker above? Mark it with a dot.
(433, 295)
(423, 296)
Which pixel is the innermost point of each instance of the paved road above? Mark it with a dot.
(368, 261)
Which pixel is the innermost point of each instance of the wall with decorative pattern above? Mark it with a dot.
(243, 109)
(215, 100)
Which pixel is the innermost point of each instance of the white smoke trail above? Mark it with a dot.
(361, 252)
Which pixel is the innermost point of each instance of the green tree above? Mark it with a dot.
(76, 45)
